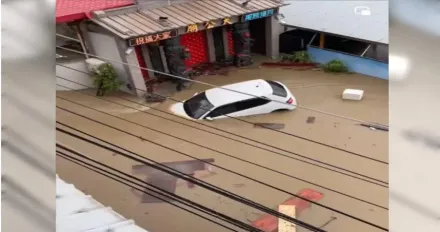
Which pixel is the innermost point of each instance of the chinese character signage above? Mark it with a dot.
(192, 28)
(210, 24)
(258, 15)
(226, 21)
(152, 38)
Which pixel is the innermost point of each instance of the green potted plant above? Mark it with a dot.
(301, 57)
(335, 66)
(105, 79)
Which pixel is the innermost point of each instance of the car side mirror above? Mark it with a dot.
(209, 118)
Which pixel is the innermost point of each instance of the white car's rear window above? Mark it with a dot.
(277, 89)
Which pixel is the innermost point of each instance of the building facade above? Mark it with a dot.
(71, 69)
(173, 38)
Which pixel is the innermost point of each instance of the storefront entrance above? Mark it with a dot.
(217, 34)
(197, 46)
(155, 57)
(257, 29)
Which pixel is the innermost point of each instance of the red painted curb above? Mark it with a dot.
(281, 64)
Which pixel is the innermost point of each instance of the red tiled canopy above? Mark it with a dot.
(71, 10)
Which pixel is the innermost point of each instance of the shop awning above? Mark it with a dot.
(131, 22)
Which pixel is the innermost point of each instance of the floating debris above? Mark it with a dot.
(310, 120)
(375, 127)
(275, 126)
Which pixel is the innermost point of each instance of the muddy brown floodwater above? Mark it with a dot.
(352, 182)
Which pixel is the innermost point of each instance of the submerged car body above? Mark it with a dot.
(237, 100)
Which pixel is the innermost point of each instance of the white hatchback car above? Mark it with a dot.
(264, 97)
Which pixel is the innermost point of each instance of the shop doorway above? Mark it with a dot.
(197, 45)
(217, 34)
(257, 29)
(156, 57)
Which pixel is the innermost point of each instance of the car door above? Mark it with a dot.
(251, 106)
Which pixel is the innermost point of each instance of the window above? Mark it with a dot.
(222, 110)
(197, 106)
(238, 106)
(277, 89)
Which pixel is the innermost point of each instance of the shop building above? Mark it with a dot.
(173, 38)
(70, 20)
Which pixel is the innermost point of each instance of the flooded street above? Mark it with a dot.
(335, 161)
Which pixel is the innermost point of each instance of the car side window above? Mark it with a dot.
(251, 103)
(238, 106)
(222, 110)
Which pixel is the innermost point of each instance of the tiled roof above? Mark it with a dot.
(71, 10)
(132, 22)
(79, 212)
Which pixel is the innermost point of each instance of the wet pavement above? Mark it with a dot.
(351, 182)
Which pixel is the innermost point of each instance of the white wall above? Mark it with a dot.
(135, 71)
(338, 17)
(106, 46)
(75, 76)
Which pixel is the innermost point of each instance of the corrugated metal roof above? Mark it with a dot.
(132, 22)
(71, 10)
(77, 212)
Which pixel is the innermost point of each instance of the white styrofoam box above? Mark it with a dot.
(93, 64)
(353, 94)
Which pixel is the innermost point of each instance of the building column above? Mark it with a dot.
(134, 74)
(225, 42)
(164, 59)
(321, 40)
(272, 37)
(211, 47)
(146, 55)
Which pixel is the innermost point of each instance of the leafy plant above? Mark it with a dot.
(335, 66)
(105, 79)
(301, 57)
(297, 57)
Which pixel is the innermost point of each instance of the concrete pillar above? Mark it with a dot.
(272, 37)
(133, 71)
(164, 59)
(374, 51)
(225, 42)
(211, 47)
(146, 55)
(321, 40)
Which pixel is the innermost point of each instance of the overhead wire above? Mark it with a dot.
(150, 160)
(375, 181)
(157, 191)
(158, 166)
(222, 153)
(263, 126)
(235, 118)
(208, 84)
(168, 148)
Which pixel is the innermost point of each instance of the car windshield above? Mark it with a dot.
(277, 89)
(197, 106)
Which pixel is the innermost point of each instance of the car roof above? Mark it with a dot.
(218, 96)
